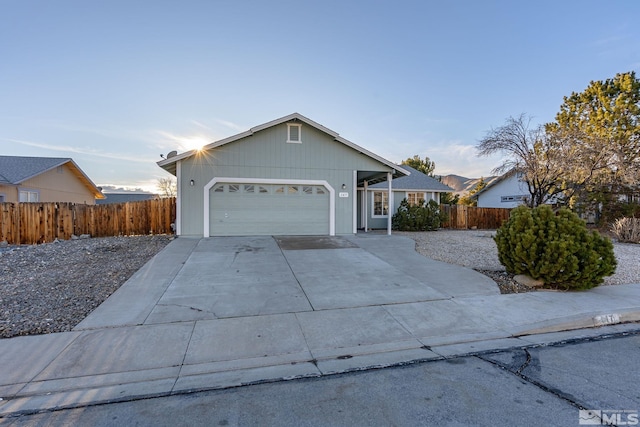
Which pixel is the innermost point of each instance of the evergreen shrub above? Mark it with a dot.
(555, 248)
(420, 217)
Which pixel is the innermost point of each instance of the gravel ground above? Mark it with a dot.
(52, 287)
(476, 249)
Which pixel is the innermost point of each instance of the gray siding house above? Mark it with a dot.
(290, 176)
(374, 208)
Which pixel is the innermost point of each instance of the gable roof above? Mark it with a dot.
(416, 181)
(495, 181)
(169, 164)
(14, 170)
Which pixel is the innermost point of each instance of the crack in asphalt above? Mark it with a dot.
(525, 364)
(567, 397)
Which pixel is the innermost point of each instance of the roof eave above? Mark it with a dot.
(88, 182)
(166, 163)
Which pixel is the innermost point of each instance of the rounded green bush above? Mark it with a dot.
(555, 248)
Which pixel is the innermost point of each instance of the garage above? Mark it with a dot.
(269, 208)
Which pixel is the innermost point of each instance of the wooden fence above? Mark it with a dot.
(462, 217)
(30, 223)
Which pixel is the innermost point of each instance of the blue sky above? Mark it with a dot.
(113, 84)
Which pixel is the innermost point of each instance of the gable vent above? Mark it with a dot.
(294, 133)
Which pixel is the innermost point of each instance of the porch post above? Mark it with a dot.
(178, 199)
(390, 201)
(366, 207)
(354, 194)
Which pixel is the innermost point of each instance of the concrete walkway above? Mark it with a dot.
(221, 312)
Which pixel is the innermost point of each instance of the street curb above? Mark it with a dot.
(581, 321)
(162, 387)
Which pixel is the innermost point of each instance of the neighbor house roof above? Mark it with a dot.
(126, 197)
(495, 181)
(169, 164)
(416, 181)
(14, 170)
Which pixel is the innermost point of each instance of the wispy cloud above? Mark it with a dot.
(77, 150)
(622, 45)
(201, 125)
(230, 125)
(461, 159)
(608, 41)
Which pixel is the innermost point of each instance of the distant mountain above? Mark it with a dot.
(462, 185)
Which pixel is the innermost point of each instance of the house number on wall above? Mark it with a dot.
(343, 194)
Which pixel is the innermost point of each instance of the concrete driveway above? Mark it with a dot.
(232, 277)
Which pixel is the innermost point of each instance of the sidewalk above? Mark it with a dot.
(143, 343)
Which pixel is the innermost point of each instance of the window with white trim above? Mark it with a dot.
(519, 198)
(415, 198)
(380, 204)
(294, 133)
(29, 196)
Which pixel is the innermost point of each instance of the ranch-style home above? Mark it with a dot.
(45, 179)
(290, 176)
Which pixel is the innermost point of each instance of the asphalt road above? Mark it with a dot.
(541, 386)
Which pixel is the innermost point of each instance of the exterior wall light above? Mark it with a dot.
(192, 183)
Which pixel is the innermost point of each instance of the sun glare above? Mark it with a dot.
(193, 142)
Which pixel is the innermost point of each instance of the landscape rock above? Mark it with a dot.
(53, 286)
(525, 280)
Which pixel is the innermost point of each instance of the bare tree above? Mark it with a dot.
(167, 187)
(553, 163)
(530, 153)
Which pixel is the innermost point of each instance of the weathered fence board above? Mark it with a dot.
(29, 223)
(462, 217)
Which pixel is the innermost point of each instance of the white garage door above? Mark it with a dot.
(268, 209)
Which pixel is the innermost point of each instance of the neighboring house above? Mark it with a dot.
(125, 197)
(373, 211)
(506, 191)
(290, 176)
(45, 179)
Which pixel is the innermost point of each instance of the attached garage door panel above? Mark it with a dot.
(268, 209)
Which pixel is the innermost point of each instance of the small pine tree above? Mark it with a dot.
(557, 249)
(449, 199)
(468, 198)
